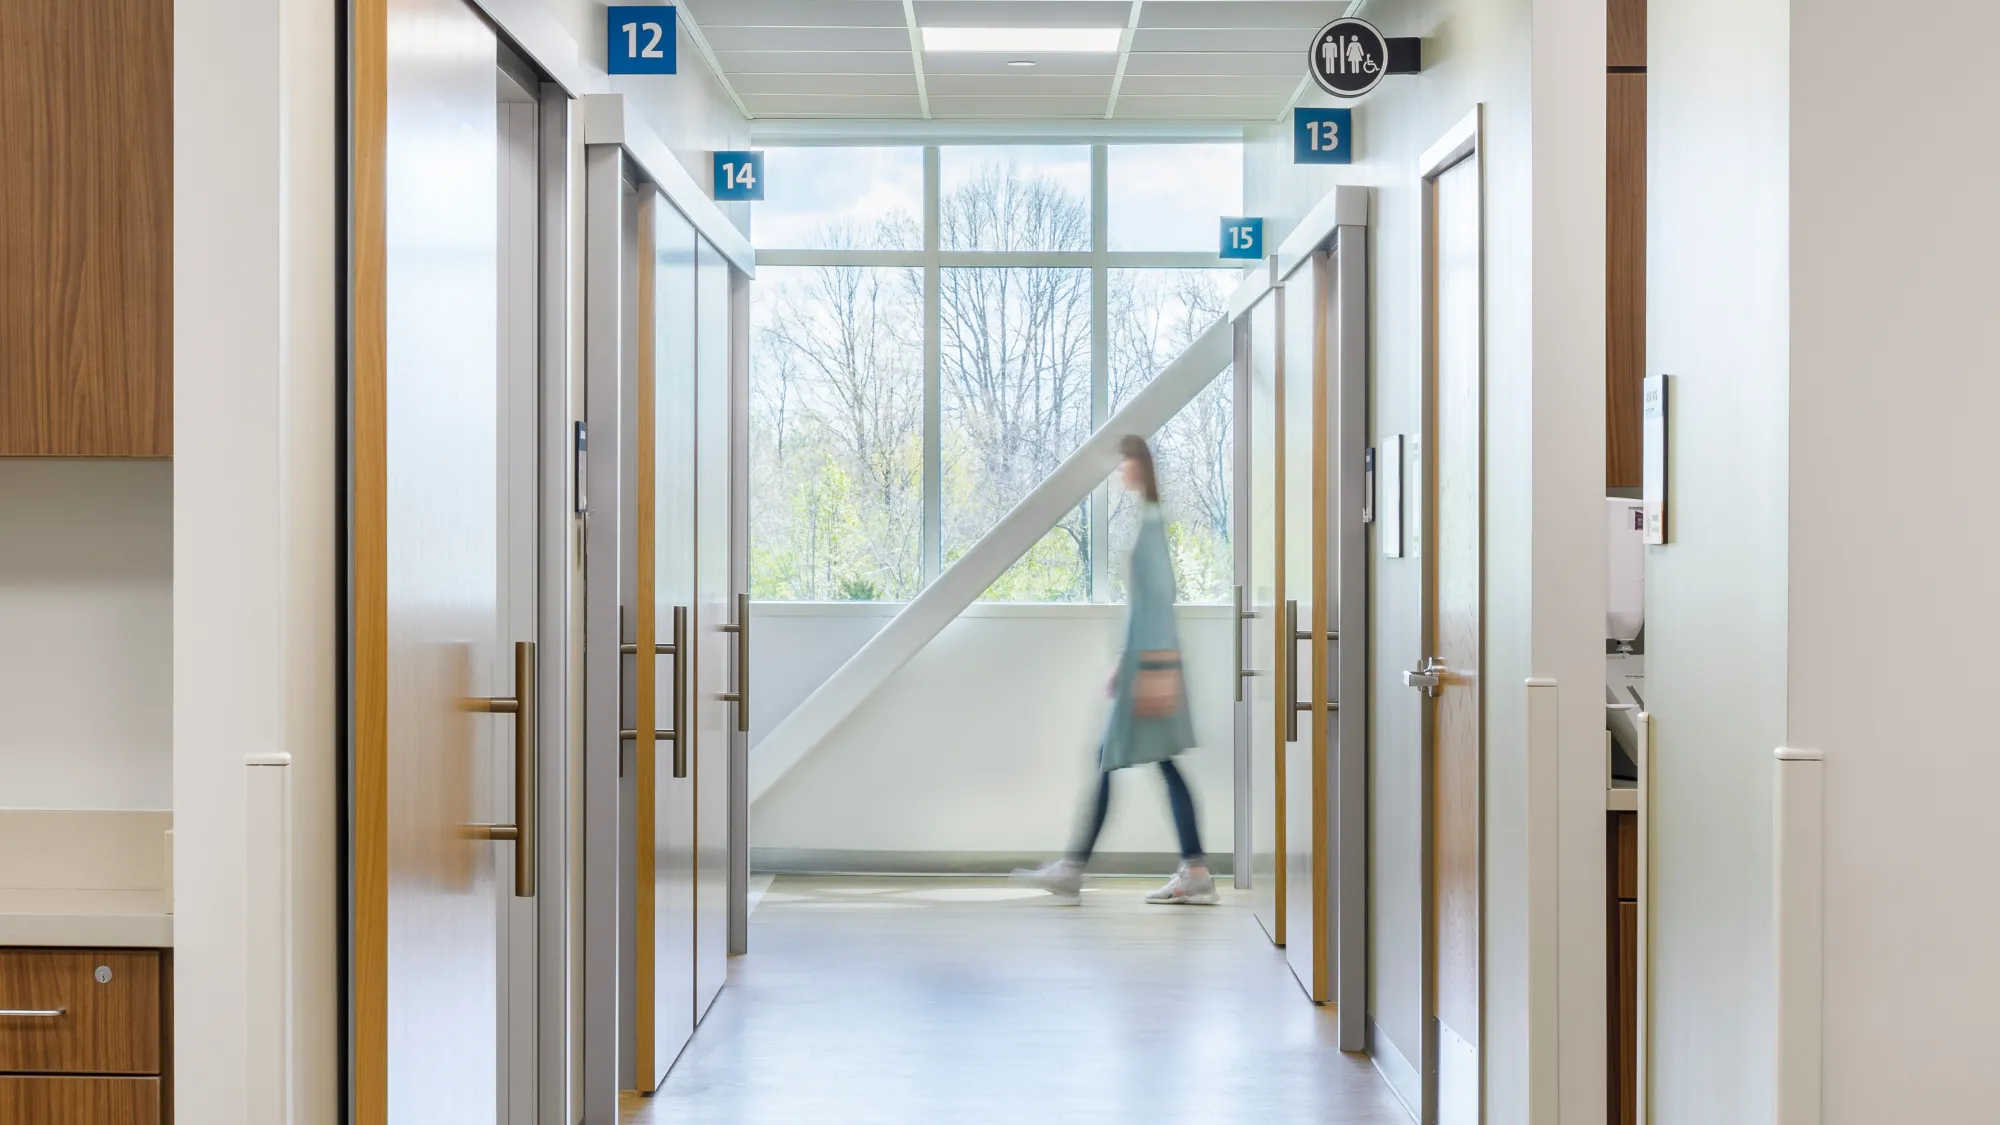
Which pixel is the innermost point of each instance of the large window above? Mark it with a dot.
(910, 385)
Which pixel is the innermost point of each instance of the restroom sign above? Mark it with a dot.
(1349, 58)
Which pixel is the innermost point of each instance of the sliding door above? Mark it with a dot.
(1265, 604)
(719, 623)
(664, 520)
(440, 695)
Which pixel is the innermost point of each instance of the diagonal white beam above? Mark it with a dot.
(1124, 56)
(975, 572)
(917, 56)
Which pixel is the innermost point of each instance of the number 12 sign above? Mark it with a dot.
(641, 39)
(1322, 136)
(739, 176)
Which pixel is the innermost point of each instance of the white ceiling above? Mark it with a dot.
(1181, 60)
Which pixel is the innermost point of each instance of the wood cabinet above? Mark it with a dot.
(86, 263)
(1625, 245)
(1622, 959)
(85, 1036)
(69, 1100)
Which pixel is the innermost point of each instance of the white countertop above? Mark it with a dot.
(96, 918)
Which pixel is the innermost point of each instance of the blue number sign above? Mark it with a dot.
(1243, 238)
(1322, 136)
(739, 176)
(640, 39)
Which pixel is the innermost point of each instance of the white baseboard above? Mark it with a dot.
(1395, 1069)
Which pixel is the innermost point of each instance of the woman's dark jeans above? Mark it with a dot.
(1178, 797)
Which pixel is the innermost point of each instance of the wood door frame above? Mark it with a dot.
(1462, 142)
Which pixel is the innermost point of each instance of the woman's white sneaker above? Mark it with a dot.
(1187, 888)
(1062, 878)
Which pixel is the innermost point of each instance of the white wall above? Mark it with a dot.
(1716, 594)
(86, 634)
(985, 741)
(255, 513)
(1892, 304)
(1536, 66)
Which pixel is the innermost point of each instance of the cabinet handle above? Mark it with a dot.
(741, 696)
(521, 705)
(33, 1013)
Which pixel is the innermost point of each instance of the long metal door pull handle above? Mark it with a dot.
(33, 1013)
(527, 758)
(741, 696)
(1292, 672)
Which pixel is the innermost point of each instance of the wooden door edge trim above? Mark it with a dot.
(368, 923)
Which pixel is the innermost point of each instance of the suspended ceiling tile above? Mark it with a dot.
(1267, 64)
(796, 13)
(736, 63)
(952, 62)
(1209, 85)
(1013, 107)
(826, 84)
(1224, 39)
(860, 106)
(1023, 13)
(1195, 107)
(989, 85)
(809, 38)
(1311, 14)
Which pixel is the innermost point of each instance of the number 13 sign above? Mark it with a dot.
(739, 176)
(1322, 136)
(641, 39)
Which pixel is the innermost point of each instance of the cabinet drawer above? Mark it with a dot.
(36, 1100)
(103, 1028)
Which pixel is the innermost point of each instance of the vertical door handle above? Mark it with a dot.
(521, 705)
(1291, 641)
(741, 696)
(678, 713)
(1242, 616)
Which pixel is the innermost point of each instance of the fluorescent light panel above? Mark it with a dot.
(1023, 40)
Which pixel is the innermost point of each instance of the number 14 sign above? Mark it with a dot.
(1322, 136)
(739, 176)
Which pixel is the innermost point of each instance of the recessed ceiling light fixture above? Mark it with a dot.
(1023, 40)
(1020, 62)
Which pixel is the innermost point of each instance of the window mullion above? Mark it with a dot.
(933, 470)
(1100, 366)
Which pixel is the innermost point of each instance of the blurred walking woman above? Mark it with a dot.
(1149, 709)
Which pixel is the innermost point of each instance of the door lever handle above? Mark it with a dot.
(1427, 679)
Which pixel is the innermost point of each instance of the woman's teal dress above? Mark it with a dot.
(1150, 627)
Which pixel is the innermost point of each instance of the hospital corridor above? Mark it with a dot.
(996, 562)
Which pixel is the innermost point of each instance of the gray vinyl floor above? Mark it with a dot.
(967, 1002)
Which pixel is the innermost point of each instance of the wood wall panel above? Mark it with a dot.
(69, 1100)
(86, 228)
(1628, 33)
(1625, 279)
